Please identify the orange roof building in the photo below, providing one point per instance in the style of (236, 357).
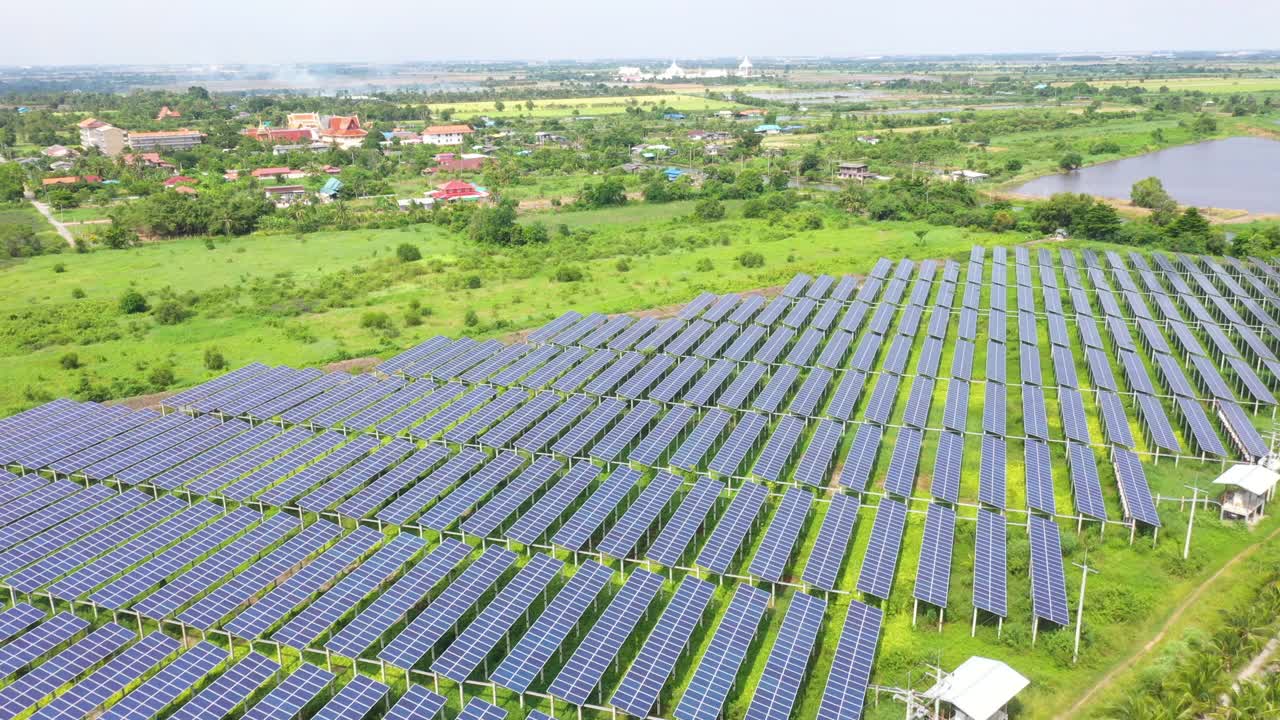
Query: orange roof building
(343, 131)
(166, 113)
(446, 134)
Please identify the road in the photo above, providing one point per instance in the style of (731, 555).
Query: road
(57, 224)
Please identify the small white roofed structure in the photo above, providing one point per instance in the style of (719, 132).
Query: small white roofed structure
(1247, 489)
(980, 689)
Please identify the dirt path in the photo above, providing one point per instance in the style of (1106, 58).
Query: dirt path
(1191, 600)
(1259, 662)
(57, 225)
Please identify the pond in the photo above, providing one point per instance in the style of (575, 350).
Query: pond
(1238, 173)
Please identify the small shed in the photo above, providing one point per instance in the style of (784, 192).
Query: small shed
(980, 689)
(1247, 488)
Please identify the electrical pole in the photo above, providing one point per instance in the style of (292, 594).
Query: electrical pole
(1191, 521)
(1084, 579)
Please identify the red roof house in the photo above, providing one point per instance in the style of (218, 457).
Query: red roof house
(343, 131)
(165, 113)
(458, 190)
(178, 180)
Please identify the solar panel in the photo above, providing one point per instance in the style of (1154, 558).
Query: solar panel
(678, 381)
(166, 686)
(846, 688)
(16, 619)
(688, 338)
(1064, 366)
(1241, 430)
(712, 680)
(530, 655)
(930, 358)
(335, 463)
(881, 559)
(904, 462)
(1048, 582)
(638, 385)
(665, 330)
(642, 514)
(393, 605)
(864, 355)
(664, 434)
(773, 311)
(477, 641)
(853, 317)
(750, 306)
(736, 395)
(229, 690)
(486, 416)
(722, 546)
(288, 699)
(740, 442)
(1035, 418)
(814, 467)
(577, 532)
(46, 678)
(945, 484)
(846, 396)
(600, 645)
(285, 465)
(822, 567)
(991, 472)
(780, 538)
(409, 504)
(575, 379)
(1039, 475)
(1114, 420)
(324, 570)
(625, 432)
(968, 321)
(409, 647)
(590, 428)
(883, 396)
(861, 459)
(996, 362)
(638, 691)
(82, 698)
(933, 572)
(989, 569)
(962, 360)
(492, 514)
(531, 525)
(1074, 424)
(779, 683)
(39, 641)
(779, 449)
(919, 402)
(1159, 431)
(446, 512)
(211, 608)
(705, 434)
(398, 478)
(684, 523)
(744, 345)
(503, 433)
(899, 350)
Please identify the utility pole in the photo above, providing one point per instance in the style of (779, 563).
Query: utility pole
(1084, 579)
(1191, 521)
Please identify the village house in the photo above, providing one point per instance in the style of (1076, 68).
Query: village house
(303, 121)
(980, 689)
(178, 180)
(264, 133)
(968, 176)
(466, 162)
(107, 138)
(343, 132)
(150, 159)
(456, 190)
(72, 180)
(1246, 490)
(853, 171)
(165, 140)
(285, 195)
(166, 114)
(58, 151)
(868, 139)
(446, 134)
(278, 173)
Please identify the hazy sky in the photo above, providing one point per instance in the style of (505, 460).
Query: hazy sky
(233, 31)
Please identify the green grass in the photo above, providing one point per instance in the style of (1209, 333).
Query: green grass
(590, 106)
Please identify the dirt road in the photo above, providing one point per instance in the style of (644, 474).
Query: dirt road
(57, 224)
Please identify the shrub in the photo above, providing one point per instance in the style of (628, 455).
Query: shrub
(751, 260)
(471, 282)
(412, 318)
(213, 359)
(77, 293)
(568, 273)
(69, 361)
(375, 320)
(59, 268)
(408, 253)
(623, 265)
(704, 265)
(161, 377)
(132, 303)
(471, 319)
(170, 312)
(709, 210)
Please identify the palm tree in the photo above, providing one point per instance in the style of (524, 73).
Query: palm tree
(1199, 686)
(1246, 701)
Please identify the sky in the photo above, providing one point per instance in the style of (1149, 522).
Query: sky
(73, 32)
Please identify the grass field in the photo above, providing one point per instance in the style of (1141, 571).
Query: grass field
(1201, 83)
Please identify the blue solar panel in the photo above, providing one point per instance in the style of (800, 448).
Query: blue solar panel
(424, 631)
(989, 569)
(288, 699)
(777, 389)
(640, 687)
(392, 605)
(822, 567)
(39, 641)
(446, 512)
(901, 478)
(664, 434)
(678, 532)
(856, 473)
(355, 700)
(530, 655)
(881, 559)
(784, 671)
(166, 686)
(846, 396)
(1048, 582)
(814, 467)
(384, 488)
(1035, 419)
(722, 547)
(229, 690)
(625, 432)
(991, 472)
(555, 424)
(962, 360)
(1135, 493)
(477, 709)
(779, 449)
(690, 454)
(505, 504)
(780, 538)
(933, 572)
(846, 687)
(883, 397)
(577, 532)
(482, 635)
(460, 466)
(736, 395)
(1039, 474)
(600, 645)
(319, 615)
(712, 681)
(46, 678)
(741, 440)
(87, 695)
(417, 703)
(622, 538)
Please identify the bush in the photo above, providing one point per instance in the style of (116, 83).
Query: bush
(568, 273)
(170, 312)
(412, 318)
(161, 377)
(213, 359)
(59, 268)
(471, 319)
(751, 260)
(132, 303)
(375, 321)
(408, 253)
(704, 265)
(77, 293)
(623, 265)
(709, 210)
(471, 282)
(69, 361)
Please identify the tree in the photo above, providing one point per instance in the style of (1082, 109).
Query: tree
(1100, 222)
(1204, 125)
(11, 180)
(372, 141)
(161, 377)
(751, 259)
(499, 106)
(495, 225)
(1148, 193)
(170, 312)
(709, 210)
(132, 302)
(213, 359)
(608, 192)
(1071, 161)
(117, 236)
(528, 105)
(408, 253)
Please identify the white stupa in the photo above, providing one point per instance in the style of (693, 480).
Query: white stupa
(744, 67)
(673, 72)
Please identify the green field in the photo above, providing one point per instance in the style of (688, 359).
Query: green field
(565, 107)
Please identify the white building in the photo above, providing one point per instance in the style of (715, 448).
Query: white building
(1247, 488)
(673, 72)
(745, 68)
(980, 689)
(446, 134)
